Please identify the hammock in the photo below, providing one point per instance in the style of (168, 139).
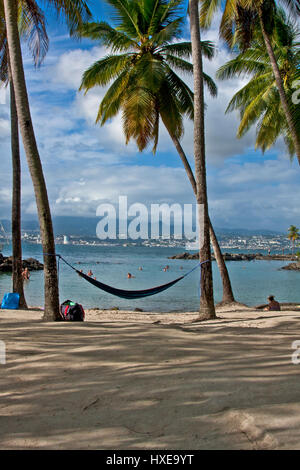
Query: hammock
(127, 294)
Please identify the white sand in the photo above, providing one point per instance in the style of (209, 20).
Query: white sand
(127, 380)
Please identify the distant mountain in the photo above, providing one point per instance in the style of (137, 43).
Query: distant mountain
(79, 226)
(86, 226)
(246, 232)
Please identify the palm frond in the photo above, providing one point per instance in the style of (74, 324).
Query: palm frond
(112, 101)
(139, 117)
(179, 64)
(107, 36)
(181, 91)
(125, 16)
(239, 67)
(32, 27)
(183, 50)
(171, 31)
(104, 70)
(74, 12)
(165, 13)
(207, 10)
(212, 87)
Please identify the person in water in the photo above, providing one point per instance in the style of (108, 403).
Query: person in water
(273, 304)
(26, 274)
(130, 276)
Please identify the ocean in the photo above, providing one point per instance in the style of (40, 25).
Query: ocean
(252, 281)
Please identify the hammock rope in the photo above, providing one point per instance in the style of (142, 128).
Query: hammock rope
(127, 294)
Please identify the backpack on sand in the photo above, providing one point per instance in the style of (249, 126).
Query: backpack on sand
(71, 311)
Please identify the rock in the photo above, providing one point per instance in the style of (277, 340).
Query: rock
(292, 267)
(31, 263)
(238, 257)
(185, 255)
(138, 310)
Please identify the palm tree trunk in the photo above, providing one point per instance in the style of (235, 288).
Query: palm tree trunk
(227, 289)
(280, 86)
(51, 307)
(228, 296)
(207, 308)
(17, 279)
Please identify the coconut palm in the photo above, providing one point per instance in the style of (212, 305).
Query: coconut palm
(145, 86)
(293, 235)
(32, 29)
(259, 101)
(207, 309)
(75, 11)
(240, 17)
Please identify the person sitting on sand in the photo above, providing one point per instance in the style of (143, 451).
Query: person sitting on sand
(26, 274)
(273, 304)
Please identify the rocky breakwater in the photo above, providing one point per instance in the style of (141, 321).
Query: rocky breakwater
(244, 257)
(31, 263)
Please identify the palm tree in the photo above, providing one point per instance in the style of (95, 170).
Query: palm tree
(237, 25)
(259, 101)
(32, 28)
(75, 11)
(228, 296)
(145, 86)
(293, 235)
(207, 308)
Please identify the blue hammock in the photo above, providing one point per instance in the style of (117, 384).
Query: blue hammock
(127, 294)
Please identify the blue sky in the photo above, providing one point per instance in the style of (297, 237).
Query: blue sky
(85, 165)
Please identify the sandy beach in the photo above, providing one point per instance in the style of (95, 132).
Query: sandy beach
(128, 380)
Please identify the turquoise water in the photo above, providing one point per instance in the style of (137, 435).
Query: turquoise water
(252, 281)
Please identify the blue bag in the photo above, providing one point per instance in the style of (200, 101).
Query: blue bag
(11, 301)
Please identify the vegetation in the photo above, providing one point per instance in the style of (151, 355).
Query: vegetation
(238, 25)
(146, 87)
(293, 235)
(32, 28)
(259, 100)
(74, 11)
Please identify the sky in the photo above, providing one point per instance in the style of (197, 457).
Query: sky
(85, 164)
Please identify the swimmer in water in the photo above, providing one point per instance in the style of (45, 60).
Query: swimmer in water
(26, 274)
